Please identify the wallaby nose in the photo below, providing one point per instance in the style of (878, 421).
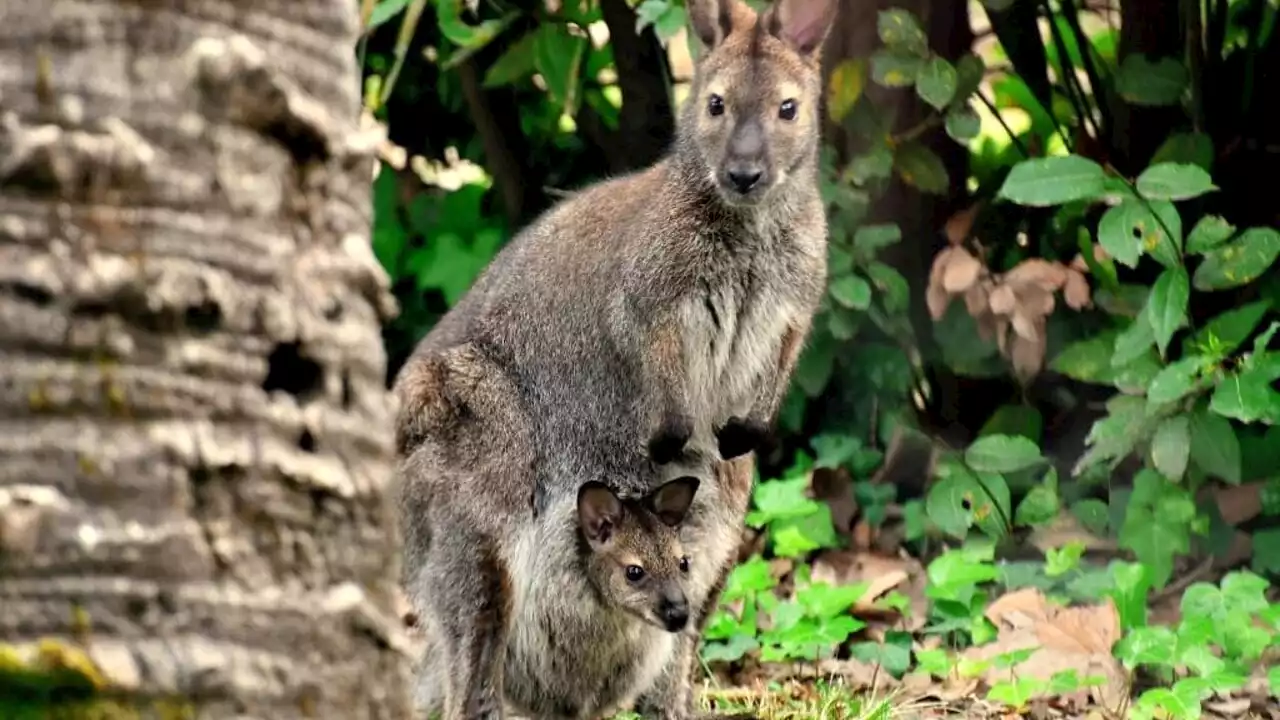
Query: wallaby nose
(744, 180)
(674, 614)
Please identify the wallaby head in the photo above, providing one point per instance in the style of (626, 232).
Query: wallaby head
(752, 117)
(636, 561)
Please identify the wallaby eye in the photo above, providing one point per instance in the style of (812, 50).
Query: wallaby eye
(715, 105)
(684, 564)
(787, 110)
(635, 573)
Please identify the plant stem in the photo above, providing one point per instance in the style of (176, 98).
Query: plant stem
(1012, 137)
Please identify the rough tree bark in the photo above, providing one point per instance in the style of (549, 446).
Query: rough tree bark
(195, 442)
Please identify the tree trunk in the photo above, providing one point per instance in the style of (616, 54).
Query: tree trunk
(195, 438)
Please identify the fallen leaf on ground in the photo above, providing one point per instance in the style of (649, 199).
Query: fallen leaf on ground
(1063, 638)
(1064, 529)
(883, 573)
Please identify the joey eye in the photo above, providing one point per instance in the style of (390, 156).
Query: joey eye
(635, 573)
(715, 105)
(684, 564)
(787, 110)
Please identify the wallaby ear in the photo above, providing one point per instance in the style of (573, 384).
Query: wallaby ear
(599, 512)
(803, 24)
(712, 20)
(671, 501)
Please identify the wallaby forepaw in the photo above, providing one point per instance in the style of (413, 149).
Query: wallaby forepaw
(740, 436)
(669, 441)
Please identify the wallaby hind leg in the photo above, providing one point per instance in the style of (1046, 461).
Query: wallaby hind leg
(470, 591)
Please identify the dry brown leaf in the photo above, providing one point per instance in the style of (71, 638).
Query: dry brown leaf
(1027, 356)
(835, 488)
(1078, 263)
(939, 266)
(961, 272)
(1002, 334)
(1078, 638)
(987, 323)
(975, 299)
(1076, 292)
(960, 225)
(882, 572)
(937, 300)
(1027, 326)
(1048, 276)
(1241, 503)
(1066, 528)
(1003, 301)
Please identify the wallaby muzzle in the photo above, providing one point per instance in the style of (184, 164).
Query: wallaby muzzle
(745, 169)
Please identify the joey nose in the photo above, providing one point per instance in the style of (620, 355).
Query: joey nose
(743, 180)
(674, 614)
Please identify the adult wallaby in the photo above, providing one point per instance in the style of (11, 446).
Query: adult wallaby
(652, 318)
(567, 613)
(683, 292)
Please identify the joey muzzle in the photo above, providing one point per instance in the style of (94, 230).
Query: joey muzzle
(673, 611)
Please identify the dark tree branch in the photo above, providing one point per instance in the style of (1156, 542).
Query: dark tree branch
(498, 128)
(646, 121)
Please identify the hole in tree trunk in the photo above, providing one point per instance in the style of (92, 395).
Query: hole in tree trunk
(291, 371)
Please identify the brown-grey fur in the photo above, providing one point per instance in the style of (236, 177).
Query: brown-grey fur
(646, 327)
(531, 611)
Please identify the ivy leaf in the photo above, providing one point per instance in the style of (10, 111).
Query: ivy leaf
(899, 29)
(1215, 449)
(872, 238)
(1168, 305)
(1153, 83)
(852, 291)
(1002, 454)
(1239, 262)
(936, 83)
(949, 503)
(1039, 506)
(1134, 340)
(1171, 446)
(1042, 182)
(1130, 583)
(895, 68)
(845, 87)
(963, 123)
(1175, 381)
(920, 167)
(1174, 181)
(1209, 233)
(557, 55)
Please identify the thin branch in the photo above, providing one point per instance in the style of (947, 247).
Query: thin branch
(994, 111)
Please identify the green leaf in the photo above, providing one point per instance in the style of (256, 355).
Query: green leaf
(671, 22)
(936, 83)
(1239, 262)
(842, 324)
(1226, 331)
(384, 11)
(1039, 506)
(894, 291)
(1193, 147)
(1174, 181)
(1130, 584)
(895, 68)
(1134, 340)
(992, 507)
(1266, 551)
(1171, 446)
(558, 55)
(517, 62)
(875, 164)
(963, 123)
(1042, 182)
(1209, 233)
(872, 238)
(1273, 679)
(852, 291)
(1002, 454)
(1169, 298)
(949, 503)
(899, 29)
(845, 87)
(1215, 449)
(1153, 83)
(969, 73)
(1087, 360)
(1247, 396)
(1147, 646)
(1175, 381)
(1129, 229)
(1092, 514)
(921, 168)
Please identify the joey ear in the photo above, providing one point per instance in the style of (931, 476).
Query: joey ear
(803, 24)
(671, 501)
(599, 512)
(712, 20)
